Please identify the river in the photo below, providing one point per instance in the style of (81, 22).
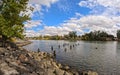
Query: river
(102, 57)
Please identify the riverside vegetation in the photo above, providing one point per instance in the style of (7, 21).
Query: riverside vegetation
(91, 36)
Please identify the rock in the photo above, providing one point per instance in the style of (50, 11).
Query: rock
(51, 72)
(11, 56)
(55, 65)
(8, 48)
(1, 73)
(59, 65)
(8, 70)
(90, 73)
(59, 72)
(30, 55)
(23, 62)
(67, 73)
(36, 56)
(67, 67)
(23, 58)
(43, 54)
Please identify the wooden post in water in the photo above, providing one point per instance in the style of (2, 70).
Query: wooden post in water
(70, 47)
(54, 53)
(65, 49)
(38, 50)
(73, 45)
(52, 48)
(58, 46)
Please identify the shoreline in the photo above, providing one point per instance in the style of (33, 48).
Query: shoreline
(25, 62)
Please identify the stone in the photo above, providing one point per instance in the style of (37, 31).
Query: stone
(8, 70)
(59, 72)
(55, 65)
(67, 67)
(59, 65)
(23, 62)
(90, 73)
(51, 72)
(67, 73)
(30, 55)
(8, 48)
(1, 73)
(23, 58)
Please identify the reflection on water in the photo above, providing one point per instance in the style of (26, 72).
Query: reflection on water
(103, 57)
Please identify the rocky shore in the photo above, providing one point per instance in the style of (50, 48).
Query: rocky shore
(23, 62)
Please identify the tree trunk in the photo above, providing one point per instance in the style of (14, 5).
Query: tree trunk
(4, 40)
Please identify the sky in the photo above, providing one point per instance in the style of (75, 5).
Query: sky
(59, 17)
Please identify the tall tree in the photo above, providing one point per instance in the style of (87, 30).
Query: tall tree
(118, 34)
(72, 34)
(11, 19)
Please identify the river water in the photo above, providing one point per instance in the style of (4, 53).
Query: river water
(99, 56)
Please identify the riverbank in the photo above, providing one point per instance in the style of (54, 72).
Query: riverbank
(23, 62)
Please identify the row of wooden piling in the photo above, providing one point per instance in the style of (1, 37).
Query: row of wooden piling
(59, 46)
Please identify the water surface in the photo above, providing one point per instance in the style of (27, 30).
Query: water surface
(99, 56)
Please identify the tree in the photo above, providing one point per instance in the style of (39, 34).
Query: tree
(118, 34)
(11, 19)
(72, 34)
(97, 36)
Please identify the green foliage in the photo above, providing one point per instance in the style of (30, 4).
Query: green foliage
(11, 19)
(97, 36)
(118, 34)
(55, 37)
(72, 35)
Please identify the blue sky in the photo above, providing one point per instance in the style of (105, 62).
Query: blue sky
(58, 17)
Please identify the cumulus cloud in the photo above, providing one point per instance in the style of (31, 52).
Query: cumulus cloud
(37, 4)
(105, 3)
(103, 23)
(90, 22)
(32, 23)
(37, 7)
(52, 30)
(43, 2)
(102, 6)
(31, 33)
(104, 16)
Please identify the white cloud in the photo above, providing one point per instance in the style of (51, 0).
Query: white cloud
(43, 2)
(31, 33)
(105, 3)
(37, 6)
(65, 6)
(94, 22)
(91, 22)
(32, 23)
(104, 16)
(52, 30)
(107, 7)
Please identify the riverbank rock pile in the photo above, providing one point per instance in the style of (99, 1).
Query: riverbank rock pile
(23, 62)
(14, 60)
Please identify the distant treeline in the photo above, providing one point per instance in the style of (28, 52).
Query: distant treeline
(70, 36)
(97, 36)
(92, 36)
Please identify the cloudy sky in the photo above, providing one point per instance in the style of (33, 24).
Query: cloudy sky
(52, 17)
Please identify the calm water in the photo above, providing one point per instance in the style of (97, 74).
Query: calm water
(102, 57)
